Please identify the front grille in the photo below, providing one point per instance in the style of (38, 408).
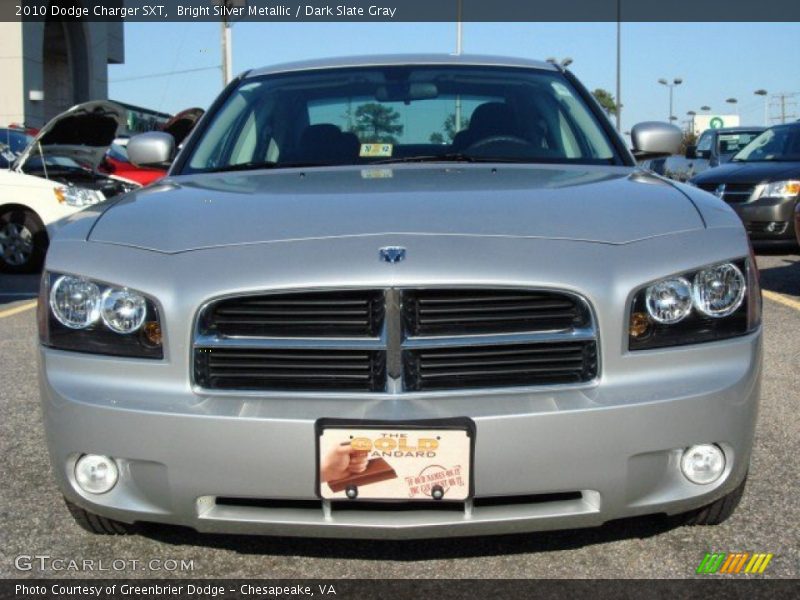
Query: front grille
(733, 193)
(500, 366)
(412, 340)
(284, 369)
(468, 311)
(325, 314)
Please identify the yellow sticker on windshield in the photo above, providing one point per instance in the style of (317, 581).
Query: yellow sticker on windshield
(375, 150)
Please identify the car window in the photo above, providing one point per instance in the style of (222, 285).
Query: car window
(367, 115)
(704, 143)
(780, 143)
(731, 143)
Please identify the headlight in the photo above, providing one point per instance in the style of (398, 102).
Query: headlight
(82, 315)
(713, 303)
(719, 291)
(669, 301)
(780, 189)
(76, 196)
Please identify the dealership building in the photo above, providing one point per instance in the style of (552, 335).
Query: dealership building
(48, 66)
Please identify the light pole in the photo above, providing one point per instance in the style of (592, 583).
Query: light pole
(766, 105)
(459, 30)
(226, 39)
(705, 108)
(619, 66)
(675, 82)
(733, 102)
(691, 114)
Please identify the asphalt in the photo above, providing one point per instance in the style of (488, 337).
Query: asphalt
(34, 521)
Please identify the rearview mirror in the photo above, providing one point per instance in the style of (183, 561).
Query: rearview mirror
(151, 149)
(405, 92)
(691, 151)
(652, 138)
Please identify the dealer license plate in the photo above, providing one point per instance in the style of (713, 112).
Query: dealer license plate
(394, 463)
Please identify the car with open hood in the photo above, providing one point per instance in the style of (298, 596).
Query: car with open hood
(762, 184)
(53, 177)
(401, 297)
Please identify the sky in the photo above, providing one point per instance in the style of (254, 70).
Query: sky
(716, 61)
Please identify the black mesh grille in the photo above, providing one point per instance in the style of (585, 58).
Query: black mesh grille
(499, 366)
(312, 314)
(295, 369)
(466, 311)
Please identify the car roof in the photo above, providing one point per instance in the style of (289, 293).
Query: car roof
(403, 59)
(739, 128)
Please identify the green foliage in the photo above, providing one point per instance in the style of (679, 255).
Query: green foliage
(375, 123)
(606, 101)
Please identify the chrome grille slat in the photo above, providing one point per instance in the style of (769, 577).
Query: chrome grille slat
(392, 340)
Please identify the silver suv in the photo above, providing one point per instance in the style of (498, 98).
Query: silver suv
(401, 297)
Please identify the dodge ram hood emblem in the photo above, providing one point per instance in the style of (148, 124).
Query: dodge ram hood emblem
(393, 254)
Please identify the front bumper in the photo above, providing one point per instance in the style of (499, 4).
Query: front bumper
(758, 215)
(593, 453)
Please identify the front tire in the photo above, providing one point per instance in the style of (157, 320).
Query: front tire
(23, 241)
(96, 524)
(717, 512)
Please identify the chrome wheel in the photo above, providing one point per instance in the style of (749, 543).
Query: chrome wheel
(16, 244)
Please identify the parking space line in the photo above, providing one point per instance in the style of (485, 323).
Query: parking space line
(17, 309)
(781, 299)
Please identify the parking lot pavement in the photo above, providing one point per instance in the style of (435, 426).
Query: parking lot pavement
(34, 521)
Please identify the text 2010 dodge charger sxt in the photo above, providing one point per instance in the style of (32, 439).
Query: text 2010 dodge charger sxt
(401, 297)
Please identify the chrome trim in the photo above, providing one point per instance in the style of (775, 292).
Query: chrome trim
(583, 334)
(394, 386)
(213, 341)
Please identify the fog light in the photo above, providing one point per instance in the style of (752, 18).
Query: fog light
(703, 463)
(96, 474)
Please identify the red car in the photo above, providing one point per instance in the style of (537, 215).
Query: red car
(116, 160)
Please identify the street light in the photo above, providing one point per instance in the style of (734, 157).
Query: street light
(564, 63)
(705, 108)
(732, 102)
(675, 82)
(766, 105)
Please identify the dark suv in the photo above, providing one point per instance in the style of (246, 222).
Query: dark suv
(762, 184)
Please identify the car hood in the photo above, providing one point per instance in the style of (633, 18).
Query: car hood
(749, 172)
(598, 204)
(83, 133)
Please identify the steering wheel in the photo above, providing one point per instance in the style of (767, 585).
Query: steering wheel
(499, 139)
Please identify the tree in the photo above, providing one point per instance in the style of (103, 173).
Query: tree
(689, 139)
(606, 101)
(449, 129)
(375, 123)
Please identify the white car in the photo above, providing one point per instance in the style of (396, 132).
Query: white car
(55, 177)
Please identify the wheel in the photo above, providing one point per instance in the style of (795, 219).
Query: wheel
(718, 511)
(96, 524)
(23, 241)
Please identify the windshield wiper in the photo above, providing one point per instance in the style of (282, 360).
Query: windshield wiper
(264, 164)
(449, 157)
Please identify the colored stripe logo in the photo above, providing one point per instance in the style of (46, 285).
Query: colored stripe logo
(735, 562)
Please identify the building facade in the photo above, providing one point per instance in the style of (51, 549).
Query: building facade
(48, 66)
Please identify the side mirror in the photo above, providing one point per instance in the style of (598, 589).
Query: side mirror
(151, 149)
(704, 154)
(691, 151)
(652, 139)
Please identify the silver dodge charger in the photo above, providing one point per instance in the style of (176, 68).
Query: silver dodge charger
(401, 297)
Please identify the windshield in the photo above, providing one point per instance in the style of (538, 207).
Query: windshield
(15, 141)
(780, 144)
(394, 114)
(731, 143)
